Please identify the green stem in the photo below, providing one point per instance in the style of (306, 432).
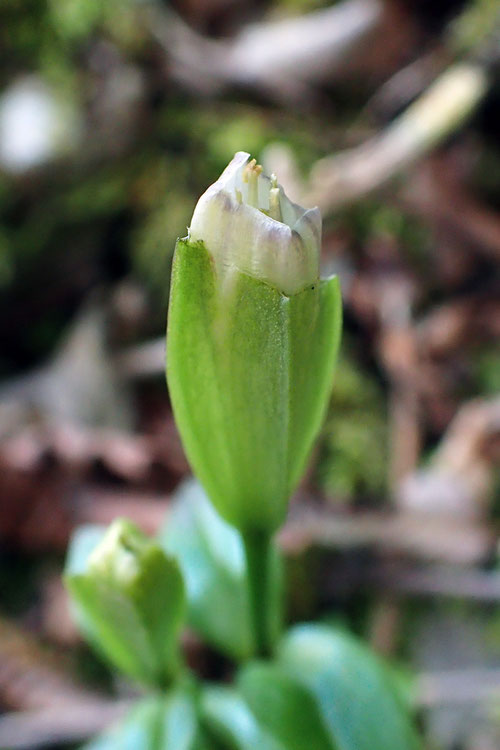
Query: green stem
(258, 557)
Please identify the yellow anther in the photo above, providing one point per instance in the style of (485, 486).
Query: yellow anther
(251, 177)
(251, 171)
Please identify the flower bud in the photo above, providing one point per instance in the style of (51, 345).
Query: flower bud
(251, 343)
(130, 601)
(248, 224)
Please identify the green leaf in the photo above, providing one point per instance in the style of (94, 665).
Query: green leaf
(212, 560)
(228, 717)
(249, 372)
(130, 596)
(353, 689)
(155, 724)
(285, 707)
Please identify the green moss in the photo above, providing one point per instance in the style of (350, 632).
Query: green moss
(352, 456)
(153, 241)
(486, 368)
(375, 218)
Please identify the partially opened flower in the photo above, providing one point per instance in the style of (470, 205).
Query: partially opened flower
(251, 345)
(247, 223)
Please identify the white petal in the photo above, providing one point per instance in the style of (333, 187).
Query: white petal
(242, 236)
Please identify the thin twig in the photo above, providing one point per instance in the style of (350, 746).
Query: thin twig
(419, 536)
(458, 686)
(345, 177)
(278, 58)
(403, 578)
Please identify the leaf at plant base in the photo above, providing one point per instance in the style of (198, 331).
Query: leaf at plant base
(212, 560)
(169, 723)
(228, 717)
(130, 597)
(285, 707)
(354, 690)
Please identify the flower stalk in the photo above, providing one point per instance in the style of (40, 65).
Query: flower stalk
(257, 547)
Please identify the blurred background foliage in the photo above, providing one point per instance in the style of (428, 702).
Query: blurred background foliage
(114, 117)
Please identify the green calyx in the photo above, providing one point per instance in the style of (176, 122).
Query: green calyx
(249, 371)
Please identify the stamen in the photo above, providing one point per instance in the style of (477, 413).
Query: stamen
(251, 177)
(274, 199)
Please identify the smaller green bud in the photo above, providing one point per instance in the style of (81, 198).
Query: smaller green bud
(117, 559)
(130, 600)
